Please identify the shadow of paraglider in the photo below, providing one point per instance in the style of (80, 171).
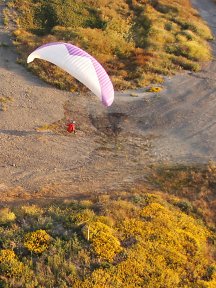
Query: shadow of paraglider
(109, 124)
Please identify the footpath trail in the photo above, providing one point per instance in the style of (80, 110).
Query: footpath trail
(185, 115)
(113, 147)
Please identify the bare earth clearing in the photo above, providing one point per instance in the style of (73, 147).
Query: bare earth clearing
(113, 147)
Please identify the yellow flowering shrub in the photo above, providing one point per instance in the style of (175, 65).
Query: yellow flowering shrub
(211, 276)
(168, 240)
(132, 227)
(120, 209)
(82, 217)
(10, 266)
(99, 279)
(104, 243)
(86, 203)
(154, 89)
(131, 241)
(109, 221)
(32, 210)
(37, 241)
(6, 216)
(162, 245)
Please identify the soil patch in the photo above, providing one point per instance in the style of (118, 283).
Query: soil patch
(113, 147)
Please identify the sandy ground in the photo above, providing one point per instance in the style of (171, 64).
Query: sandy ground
(113, 147)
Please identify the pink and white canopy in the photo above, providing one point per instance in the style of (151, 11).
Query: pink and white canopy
(80, 65)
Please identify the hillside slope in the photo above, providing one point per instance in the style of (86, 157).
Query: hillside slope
(138, 42)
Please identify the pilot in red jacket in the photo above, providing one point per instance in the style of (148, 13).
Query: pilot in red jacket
(71, 127)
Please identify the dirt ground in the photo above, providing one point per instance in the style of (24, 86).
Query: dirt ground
(113, 147)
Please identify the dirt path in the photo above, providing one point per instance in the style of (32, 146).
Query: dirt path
(185, 114)
(114, 146)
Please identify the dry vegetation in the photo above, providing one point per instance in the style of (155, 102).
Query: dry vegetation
(137, 41)
(4, 101)
(196, 185)
(124, 240)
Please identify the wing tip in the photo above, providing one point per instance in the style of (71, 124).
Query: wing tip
(107, 101)
(30, 58)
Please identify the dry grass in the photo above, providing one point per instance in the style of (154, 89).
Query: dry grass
(137, 43)
(4, 102)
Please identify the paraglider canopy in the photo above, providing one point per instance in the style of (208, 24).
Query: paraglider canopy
(80, 65)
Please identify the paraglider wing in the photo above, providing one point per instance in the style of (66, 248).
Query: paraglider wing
(80, 65)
